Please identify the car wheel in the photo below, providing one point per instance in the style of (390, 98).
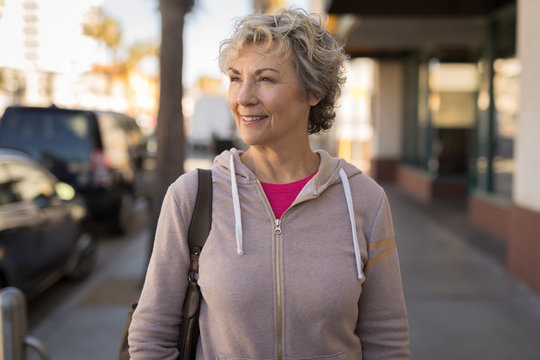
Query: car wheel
(124, 212)
(83, 257)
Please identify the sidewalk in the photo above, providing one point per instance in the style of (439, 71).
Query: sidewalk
(89, 325)
(461, 303)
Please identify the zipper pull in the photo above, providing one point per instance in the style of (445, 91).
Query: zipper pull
(277, 229)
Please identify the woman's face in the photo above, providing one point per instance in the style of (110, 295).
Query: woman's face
(268, 102)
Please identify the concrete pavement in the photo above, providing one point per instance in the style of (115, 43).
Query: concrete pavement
(88, 325)
(461, 302)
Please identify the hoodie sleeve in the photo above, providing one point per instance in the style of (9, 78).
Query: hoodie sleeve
(153, 333)
(382, 324)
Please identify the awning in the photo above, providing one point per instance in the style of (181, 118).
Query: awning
(415, 7)
(392, 28)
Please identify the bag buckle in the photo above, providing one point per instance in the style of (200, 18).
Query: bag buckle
(193, 277)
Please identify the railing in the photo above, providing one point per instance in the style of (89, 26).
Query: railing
(14, 340)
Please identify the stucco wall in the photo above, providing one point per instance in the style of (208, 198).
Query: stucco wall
(527, 150)
(387, 110)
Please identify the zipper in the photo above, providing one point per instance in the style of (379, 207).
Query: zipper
(279, 290)
(278, 273)
(277, 277)
(277, 229)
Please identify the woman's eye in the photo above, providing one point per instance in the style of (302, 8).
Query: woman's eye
(266, 79)
(234, 78)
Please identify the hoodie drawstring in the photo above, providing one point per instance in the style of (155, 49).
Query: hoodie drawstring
(348, 196)
(236, 205)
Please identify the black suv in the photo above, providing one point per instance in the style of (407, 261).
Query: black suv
(101, 154)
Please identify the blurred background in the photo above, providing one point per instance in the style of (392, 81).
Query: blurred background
(440, 106)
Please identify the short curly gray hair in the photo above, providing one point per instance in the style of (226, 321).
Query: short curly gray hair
(318, 57)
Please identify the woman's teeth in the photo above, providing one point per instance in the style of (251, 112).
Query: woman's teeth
(253, 118)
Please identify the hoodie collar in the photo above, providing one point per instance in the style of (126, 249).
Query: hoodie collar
(327, 174)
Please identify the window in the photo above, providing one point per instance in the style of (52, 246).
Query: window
(506, 100)
(7, 191)
(27, 182)
(47, 134)
(115, 141)
(453, 89)
(498, 104)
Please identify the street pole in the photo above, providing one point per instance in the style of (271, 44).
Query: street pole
(13, 321)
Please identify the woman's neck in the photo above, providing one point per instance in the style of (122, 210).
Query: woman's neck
(280, 167)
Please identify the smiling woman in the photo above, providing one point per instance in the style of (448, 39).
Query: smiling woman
(309, 268)
(269, 104)
(317, 57)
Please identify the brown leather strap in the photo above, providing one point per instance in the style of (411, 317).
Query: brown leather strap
(199, 228)
(201, 220)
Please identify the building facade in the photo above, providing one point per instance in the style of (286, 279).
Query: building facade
(47, 58)
(39, 51)
(455, 110)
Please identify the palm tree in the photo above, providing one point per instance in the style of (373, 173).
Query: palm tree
(104, 29)
(170, 121)
(140, 50)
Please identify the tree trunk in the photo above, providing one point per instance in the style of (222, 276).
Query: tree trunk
(170, 120)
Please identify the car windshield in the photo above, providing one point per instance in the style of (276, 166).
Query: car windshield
(47, 134)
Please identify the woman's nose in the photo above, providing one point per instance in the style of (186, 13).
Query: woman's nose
(247, 94)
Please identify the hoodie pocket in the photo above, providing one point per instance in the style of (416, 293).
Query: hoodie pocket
(337, 356)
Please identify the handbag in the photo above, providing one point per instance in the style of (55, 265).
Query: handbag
(199, 228)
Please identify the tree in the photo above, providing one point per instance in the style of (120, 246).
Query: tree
(139, 51)
(104, 29)
(170, 121)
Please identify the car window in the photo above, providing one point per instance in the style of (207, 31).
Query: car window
(8, 195)
(135, 137)
(48, 135)
(28, 182)
(115, 140)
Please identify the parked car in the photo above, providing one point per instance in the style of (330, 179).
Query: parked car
(100, 154)
(43, 232)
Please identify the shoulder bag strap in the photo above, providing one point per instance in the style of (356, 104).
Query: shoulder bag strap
(201, 220)
(199, 228)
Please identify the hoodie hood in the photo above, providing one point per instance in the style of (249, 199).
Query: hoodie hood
(327, 174)
(331, 171)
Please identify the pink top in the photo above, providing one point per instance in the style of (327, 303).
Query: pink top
(281, 196)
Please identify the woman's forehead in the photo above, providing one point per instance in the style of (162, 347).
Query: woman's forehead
(261, 56)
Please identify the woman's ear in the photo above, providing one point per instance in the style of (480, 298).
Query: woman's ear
(313, 100)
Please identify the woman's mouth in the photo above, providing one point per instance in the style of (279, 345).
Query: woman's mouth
(253, 118)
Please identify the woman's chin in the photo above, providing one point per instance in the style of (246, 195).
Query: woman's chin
(252, 140)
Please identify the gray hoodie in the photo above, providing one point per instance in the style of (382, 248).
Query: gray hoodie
(321, 283)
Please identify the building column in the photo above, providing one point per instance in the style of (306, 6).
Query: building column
(524, 231)
(387, 114)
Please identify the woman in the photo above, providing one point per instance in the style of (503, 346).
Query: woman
(301, 261)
